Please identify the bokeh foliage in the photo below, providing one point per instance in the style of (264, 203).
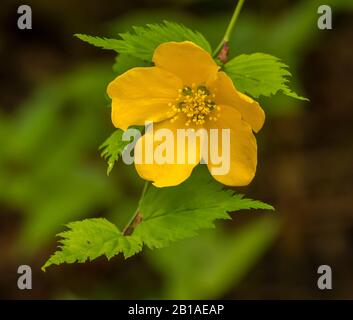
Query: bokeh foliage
(51, 172)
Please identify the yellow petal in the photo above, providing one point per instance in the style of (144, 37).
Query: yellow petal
(227, 94)
(240, 166)
(142, 94)
(186, 60)
(182, 161)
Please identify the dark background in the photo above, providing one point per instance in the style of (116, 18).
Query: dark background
(54, 115)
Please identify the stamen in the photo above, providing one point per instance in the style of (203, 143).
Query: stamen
(203, 89)
(187, 91)
(196, 103)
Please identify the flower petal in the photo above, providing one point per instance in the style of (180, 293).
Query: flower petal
(143, 94)
(175, 171)
(242, 156)
(185, 59)
(227, 94)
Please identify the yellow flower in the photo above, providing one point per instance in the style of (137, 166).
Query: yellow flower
(185, 89)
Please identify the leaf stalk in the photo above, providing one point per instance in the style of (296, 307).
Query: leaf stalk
(136, 218)
(222, 50)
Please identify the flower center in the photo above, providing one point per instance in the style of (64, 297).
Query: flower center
(197, 104)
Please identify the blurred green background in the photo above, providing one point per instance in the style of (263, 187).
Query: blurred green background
(54, 114)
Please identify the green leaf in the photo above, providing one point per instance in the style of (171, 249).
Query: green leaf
(124, 62)
(260, 74)
(101, 42)
(168, 214)
(113, 148)
(142, 42)
(175, 213)
(88, 239)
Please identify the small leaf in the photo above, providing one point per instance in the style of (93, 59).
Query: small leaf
(167, 215)
(113, 148)
(142, 42)
(88, 239)
(260, 74)
(124, 62)
(101, 42)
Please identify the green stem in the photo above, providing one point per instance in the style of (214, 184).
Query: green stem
(230, 27)
(137, 211)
